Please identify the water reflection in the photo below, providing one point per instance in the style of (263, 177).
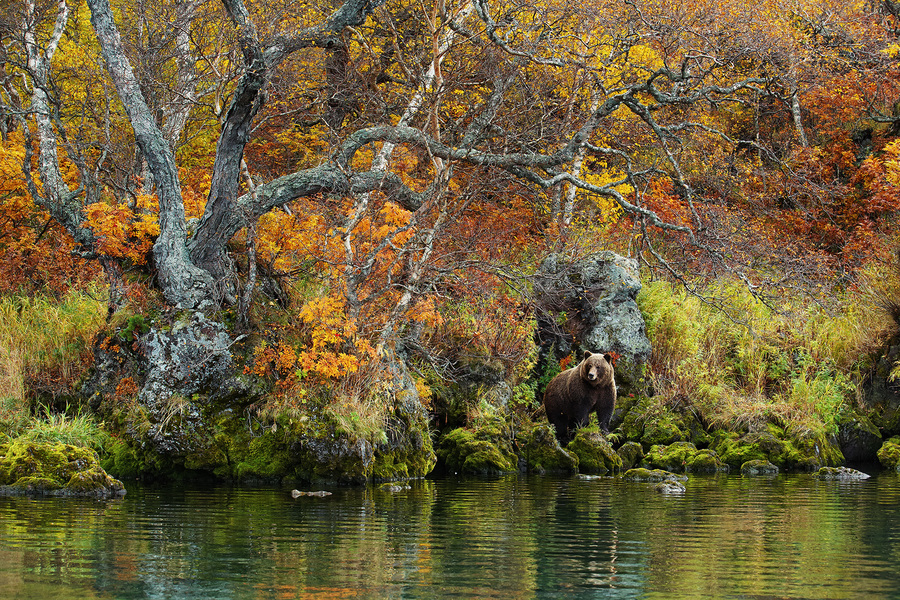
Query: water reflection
(511, 537)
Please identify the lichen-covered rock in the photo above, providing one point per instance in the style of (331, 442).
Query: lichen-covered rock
(478, 451)
(758, 467)
(840, 474)
(28, 467)
(596, 298)
(652, 475)
(631, 453)
(595, 453)
(889, 454)
(542, 452)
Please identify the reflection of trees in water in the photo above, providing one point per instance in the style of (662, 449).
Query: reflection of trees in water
(504, 537)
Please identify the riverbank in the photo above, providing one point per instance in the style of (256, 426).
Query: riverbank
(791, 385)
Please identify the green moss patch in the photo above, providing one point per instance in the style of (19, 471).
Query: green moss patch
(479, 451)
(683, 457)
(804, 451)
(54, 468)
(543, 453)
(595, 453)
(889, 454)
(652, 475)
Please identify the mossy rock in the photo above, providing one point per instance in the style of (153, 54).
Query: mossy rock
(735, 451)
(631, 454)
(543, 452)
(663, 429)
(816, 450)
(595, 453)
(55, 468)
(705, 461)
(858, 437)
(807, 451)
(672, 457)
(684, 457)
(889, 454)
(652, 475)
(263, 458)
(840, 474)
(758, 467)
(477, 452)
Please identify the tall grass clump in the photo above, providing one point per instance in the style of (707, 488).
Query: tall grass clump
(742, 362)
(42, 333)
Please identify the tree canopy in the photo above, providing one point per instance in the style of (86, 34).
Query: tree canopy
(374, 163)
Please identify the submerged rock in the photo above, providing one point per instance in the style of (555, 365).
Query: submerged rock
(758, 467)
(670, 487)
(319, 494)
(652, 475)
(55, 469)
(840, 474)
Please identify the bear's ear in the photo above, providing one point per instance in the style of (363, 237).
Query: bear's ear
(609, 357)
(587, 353)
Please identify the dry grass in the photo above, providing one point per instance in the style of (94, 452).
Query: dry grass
(42, 333)
(793, 364)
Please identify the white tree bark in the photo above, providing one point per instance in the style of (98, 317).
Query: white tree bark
(183, 284)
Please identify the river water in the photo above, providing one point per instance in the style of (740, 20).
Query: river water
(788, 536)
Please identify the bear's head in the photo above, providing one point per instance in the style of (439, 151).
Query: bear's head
(597, 369)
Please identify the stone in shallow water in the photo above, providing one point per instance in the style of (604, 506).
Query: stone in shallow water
(670, 487)
(840, 474)
(652, 475)
(758, 467)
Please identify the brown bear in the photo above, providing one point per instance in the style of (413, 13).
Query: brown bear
(573, 394)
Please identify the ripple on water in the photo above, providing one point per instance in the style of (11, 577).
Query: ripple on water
(527, 537)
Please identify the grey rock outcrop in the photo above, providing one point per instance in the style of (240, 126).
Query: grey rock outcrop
(590, 304)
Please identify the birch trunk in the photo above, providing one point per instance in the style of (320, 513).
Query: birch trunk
(183, 283)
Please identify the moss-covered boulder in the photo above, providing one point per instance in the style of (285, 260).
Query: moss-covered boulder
(28, 467)
(889, 454)
(662, 429)
(672, 457)
(705, 461)
(542, 452)
(631, 454)
(753, 468)
(595, 453)
(652, 475)
(808, 450)
(735, 451)
(477, 451)
(684, 457)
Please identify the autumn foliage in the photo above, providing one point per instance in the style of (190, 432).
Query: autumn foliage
(769, 148)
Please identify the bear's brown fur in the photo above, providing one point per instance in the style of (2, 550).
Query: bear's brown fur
(573, 394)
